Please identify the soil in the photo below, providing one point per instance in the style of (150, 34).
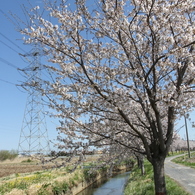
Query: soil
(17, 166)
(6, 170)
(20, 165)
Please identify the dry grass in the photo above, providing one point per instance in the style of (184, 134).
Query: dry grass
(9, 167)
(190, 162)
(20, 165)
(16, 192)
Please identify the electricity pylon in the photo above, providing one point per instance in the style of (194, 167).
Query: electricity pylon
(34, 134)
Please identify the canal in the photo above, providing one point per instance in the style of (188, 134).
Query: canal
(111, 186)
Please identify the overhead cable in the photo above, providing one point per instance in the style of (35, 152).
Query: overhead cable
(11, 42)
(7, 82)
(9, 47)
(8, 63)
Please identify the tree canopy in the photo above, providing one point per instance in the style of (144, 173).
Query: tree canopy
(120, 72)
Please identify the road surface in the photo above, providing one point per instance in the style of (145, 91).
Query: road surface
(185, 176)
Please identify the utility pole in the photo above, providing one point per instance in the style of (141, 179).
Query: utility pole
(188, 145)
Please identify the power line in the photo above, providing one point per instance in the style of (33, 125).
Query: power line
(9, 47)
(8, 63)
(15, 51)
(8, 18)
(12, 42)
(7, 82)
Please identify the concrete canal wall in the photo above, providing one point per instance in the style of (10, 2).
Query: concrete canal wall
(97, 178)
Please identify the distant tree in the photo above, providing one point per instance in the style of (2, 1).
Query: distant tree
(53, 153)
(122, 72)
(181, 145)
(6, 154)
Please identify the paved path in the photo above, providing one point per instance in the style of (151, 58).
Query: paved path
(185, 176)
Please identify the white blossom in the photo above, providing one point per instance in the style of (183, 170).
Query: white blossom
(118, 79)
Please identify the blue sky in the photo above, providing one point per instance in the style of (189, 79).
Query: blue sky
(13, 98)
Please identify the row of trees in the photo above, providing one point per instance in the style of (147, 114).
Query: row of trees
(181, 145)
(119, 74)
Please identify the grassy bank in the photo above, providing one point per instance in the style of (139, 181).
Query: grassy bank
(144, 185)
(53, 181)
(185, 160)
(57, 181)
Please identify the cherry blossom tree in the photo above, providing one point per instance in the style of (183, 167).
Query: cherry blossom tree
(120, 73)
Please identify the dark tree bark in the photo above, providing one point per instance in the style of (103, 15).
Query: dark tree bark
(140, 163)
(159, 176)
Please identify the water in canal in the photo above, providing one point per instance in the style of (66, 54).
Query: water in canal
(111, 186)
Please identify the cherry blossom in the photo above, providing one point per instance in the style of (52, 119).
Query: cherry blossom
(120, 74)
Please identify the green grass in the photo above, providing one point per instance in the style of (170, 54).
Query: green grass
(47, 181)
(144, 185)
(27, 161)
(24, 182)
(176, 153)
(185, 160)
(59, 188)
(55, 182)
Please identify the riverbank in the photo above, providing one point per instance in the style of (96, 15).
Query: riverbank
(113, 185)
(97, 177)
(185, 160)
(52, 181)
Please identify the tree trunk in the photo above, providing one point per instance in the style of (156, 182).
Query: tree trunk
(159, 176)
(142, 167)
(140, 163)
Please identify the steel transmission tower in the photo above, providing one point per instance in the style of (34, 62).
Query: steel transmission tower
(34, 134)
